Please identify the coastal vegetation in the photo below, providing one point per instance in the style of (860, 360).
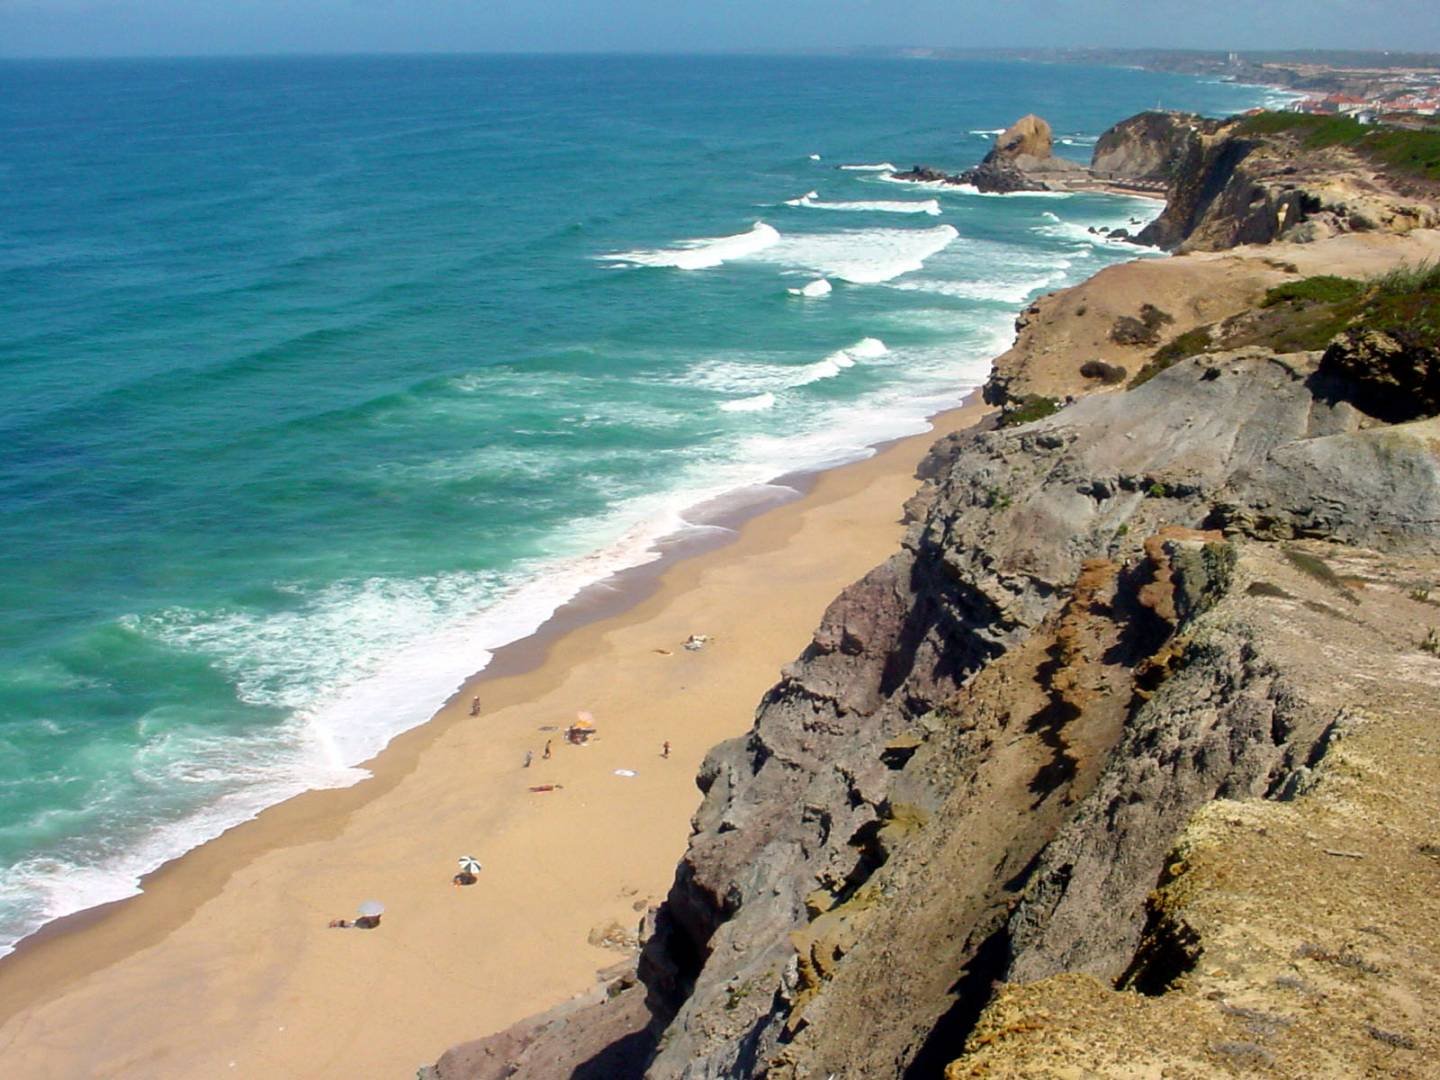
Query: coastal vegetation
(1031, 407)
(1412, 151)
(1314, 313)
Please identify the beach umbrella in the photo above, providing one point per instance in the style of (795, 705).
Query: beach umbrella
(372, 908)
(584, 721)
(469, 864)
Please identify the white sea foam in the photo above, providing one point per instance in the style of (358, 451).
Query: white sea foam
(883, 166)
(817, 288)
(930, 185)
(841, 359)
(987, 132)
(814, 157)
(360, 661)
(1129, 213)
(758, 403)
(860, 257)
(703, 253)
(1002, 289)
(812, 201)
(868, 348)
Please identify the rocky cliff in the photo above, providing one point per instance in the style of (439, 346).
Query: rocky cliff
(1254, 181)
(1124, 764)
(1150, 146)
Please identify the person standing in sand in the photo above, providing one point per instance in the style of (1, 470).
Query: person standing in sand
(529, 756)
(546, 754)
(475, 707)
(665, 749)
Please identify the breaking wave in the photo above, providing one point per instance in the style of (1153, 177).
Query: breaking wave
(703, 253)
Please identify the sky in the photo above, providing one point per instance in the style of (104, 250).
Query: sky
(204, 27)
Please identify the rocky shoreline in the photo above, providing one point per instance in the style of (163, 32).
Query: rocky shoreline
(1124, 763)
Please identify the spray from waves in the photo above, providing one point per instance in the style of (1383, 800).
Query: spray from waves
(865, 349)
(811, 201)
(757, 403)
(703, 253)
(930, 185)
(1002, 291)
(861, 257)
(883, 166)
(1132, 215)
(987, 133)
(814, 157)
(813, 290)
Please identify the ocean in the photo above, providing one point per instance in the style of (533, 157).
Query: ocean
(321, 379)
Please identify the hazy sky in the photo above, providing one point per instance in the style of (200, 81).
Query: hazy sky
(185, 27)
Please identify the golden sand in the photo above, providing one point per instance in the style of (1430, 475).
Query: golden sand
(226, 967)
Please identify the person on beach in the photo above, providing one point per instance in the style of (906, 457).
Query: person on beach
(475, 707)
(529, 756)
(546, 754)
(339, 924)
(665, 750)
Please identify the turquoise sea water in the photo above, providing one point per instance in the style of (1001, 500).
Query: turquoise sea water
(319, 379)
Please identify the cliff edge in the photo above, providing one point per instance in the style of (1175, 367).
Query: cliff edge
(1124, 765)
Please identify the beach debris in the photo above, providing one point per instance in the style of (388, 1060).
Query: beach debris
(696, 642)
(469, 864)
(625, 772)
(581, 730)
(370, 912)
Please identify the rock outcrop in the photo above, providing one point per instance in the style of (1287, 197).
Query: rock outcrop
(1231, 184)
(1022, 159)
(1150, 146)
(996, 820)
(980, 768)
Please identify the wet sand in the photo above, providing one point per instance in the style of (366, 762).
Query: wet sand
(226, 967)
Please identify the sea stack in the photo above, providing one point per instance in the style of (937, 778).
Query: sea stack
(1022, 159)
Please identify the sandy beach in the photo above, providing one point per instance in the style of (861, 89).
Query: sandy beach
(225, 966)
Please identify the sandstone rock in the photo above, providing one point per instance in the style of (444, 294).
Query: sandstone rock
(1029, 136)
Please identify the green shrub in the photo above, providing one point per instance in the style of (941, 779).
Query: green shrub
(1028, 408)
(1406, 150)
(1325, 289)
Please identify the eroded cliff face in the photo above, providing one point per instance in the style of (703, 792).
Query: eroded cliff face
(1228, 186)
(1150, 146)
(987, 824)
(979, 771)
(979, 768)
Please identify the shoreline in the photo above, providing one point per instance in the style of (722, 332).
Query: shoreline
(86, 967)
